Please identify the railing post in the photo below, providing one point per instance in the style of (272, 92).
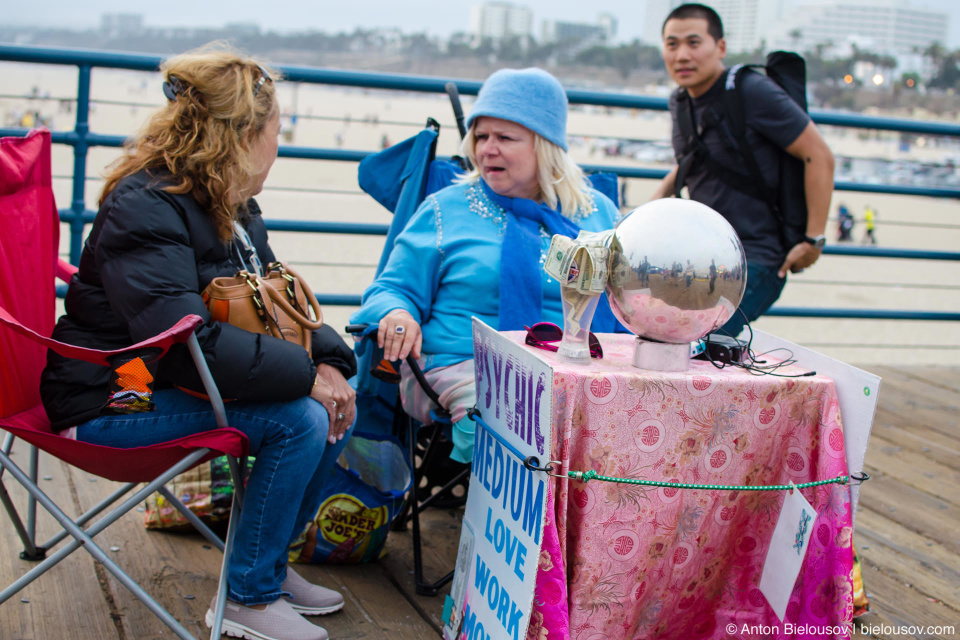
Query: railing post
(78, 202)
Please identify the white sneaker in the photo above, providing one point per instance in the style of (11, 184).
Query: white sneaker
(277, 621)
(310, 599)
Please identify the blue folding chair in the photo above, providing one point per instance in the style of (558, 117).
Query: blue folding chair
(400, 178)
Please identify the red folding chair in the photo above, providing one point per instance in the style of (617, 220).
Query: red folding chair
(29, 239)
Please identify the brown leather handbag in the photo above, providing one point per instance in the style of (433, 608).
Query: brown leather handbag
(277, 303)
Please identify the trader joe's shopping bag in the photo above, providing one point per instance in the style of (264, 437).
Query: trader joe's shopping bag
(361, 499)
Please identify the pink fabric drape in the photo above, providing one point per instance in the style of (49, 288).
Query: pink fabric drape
(624, 561)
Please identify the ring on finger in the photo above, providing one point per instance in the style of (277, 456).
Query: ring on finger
(341, 416)
(400, 329)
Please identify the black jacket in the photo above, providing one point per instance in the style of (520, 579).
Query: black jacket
(144, 265)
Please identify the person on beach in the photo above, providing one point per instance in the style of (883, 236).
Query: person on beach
(870, 225)
(477, 248)
(845, 224)
(693, 52)
(177, 211)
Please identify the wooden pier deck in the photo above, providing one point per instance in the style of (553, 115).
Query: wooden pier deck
(908, 535)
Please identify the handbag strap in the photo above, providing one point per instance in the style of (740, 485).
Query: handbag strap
(269, 322)
(297, 315)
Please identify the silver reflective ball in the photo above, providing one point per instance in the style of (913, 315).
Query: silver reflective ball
(677, 270)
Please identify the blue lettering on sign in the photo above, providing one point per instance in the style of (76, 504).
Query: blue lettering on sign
(533, 513)
(520, 492)
(483, 574)
(521, 559)
(505, 542)
(498, 474)
(487, 460)
(499, 601)
(516, 504)
(478, 453)
(513, 469)
(493, 594)
(514, 625)
(503, 608)
(470, 623)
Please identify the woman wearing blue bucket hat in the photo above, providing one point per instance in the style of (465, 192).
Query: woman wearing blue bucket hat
(477, 248)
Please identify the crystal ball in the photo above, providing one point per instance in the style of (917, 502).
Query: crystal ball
(677, 270)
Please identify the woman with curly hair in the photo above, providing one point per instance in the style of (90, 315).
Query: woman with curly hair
(177, 211)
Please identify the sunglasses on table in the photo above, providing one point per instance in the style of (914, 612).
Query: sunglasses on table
(543, 334)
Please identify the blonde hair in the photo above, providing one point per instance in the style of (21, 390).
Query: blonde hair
(561, 181)
(203, 137)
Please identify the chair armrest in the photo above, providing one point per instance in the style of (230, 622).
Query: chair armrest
(357, 329)
(361, 331)
(65, 270)
(177, 334)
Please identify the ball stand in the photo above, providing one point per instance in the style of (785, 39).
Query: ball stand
(661, 356)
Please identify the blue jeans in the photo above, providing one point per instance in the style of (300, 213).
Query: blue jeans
(283, 493)
(763, 289)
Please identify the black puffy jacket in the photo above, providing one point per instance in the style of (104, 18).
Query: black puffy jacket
(144, 265)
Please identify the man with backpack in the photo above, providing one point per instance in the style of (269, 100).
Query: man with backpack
(746, 147)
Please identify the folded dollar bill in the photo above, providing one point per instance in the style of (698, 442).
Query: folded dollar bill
(580, 263)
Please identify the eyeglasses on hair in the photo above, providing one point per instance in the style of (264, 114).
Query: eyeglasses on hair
(175, 86)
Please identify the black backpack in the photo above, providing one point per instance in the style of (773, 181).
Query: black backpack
(788, 203)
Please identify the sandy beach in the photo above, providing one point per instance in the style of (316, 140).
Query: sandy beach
(359, 119)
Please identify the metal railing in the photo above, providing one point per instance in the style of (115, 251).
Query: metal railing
(82, 139)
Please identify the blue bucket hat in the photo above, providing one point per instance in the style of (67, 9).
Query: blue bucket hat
(531, 97)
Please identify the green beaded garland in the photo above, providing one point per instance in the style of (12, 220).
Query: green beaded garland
(587, 476)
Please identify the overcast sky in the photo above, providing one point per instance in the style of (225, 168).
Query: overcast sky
(438, 17)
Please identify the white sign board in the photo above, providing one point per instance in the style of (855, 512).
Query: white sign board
(857, 391)
(506, 506)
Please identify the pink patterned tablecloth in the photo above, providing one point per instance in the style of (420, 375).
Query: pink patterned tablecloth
(624, 561)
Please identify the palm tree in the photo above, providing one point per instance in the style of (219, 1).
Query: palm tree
(936, 53)
(795, 36)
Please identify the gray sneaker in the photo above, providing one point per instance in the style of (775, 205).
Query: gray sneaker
(310, 599)
(278, 621)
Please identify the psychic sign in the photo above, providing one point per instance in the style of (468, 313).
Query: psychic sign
(492, 593)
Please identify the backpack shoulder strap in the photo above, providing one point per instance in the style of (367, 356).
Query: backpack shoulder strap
(734, 113)
(695, 150)
(691, 132)
(732, 101)
(688, 133)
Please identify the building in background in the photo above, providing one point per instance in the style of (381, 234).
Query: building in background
(889, 27)
(121, 25)
(499, 21)
(746, 23)
(657, 11)
(602, 32)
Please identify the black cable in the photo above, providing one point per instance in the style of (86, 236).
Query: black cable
(755, 366)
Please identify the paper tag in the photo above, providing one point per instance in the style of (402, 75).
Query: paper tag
(788, 548)
(453, 607)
